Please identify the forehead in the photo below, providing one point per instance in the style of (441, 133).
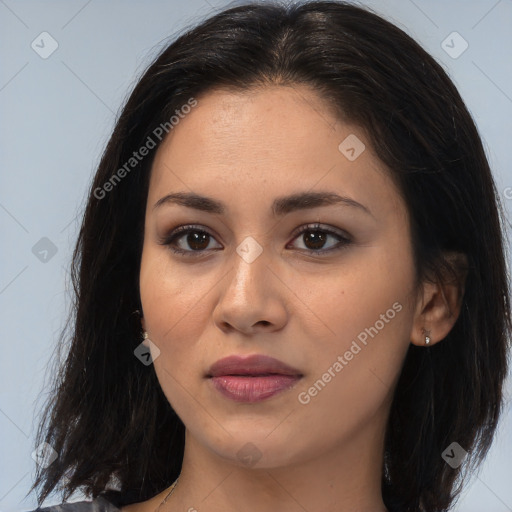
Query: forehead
(245, 146)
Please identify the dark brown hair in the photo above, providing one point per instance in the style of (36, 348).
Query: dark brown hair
(108, 417)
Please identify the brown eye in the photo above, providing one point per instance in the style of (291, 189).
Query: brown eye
(315, 237)
(188, 240)
(197, 241)
(194, 241)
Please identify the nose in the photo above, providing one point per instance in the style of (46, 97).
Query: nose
(252, 297)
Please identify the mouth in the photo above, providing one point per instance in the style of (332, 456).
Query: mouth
(253, 378)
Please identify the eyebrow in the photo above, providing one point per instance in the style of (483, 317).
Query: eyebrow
(281, 205)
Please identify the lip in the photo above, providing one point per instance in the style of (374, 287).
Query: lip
(252, 378)
(250, 365)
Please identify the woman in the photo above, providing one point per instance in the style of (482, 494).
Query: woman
(290, 277)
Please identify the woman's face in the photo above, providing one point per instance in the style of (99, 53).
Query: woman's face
(333, 304)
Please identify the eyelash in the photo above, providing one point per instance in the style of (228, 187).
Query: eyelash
(179, 232)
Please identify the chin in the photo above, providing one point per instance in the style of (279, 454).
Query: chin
(254, 448)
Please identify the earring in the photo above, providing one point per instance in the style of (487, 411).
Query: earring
(145, 338)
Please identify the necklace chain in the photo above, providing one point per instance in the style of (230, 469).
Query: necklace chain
(173, 486)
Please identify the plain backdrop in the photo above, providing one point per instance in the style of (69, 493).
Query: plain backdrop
(56, 115)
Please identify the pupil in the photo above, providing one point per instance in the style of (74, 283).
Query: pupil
(198, 241)
(316, 237)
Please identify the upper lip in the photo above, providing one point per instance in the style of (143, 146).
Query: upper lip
(250, 365)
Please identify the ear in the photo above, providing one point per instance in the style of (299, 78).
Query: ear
(439, 303)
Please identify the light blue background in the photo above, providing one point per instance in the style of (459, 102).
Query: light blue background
(57, 114)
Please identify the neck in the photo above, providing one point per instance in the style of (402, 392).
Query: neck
(344, 478)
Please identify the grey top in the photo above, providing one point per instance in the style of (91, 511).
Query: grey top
(99, 504)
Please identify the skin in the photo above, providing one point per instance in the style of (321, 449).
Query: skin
(245, 150)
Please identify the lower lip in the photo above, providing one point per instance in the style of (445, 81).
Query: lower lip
(253, 389)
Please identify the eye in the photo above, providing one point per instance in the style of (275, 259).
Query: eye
(198, 240)
(314, 238)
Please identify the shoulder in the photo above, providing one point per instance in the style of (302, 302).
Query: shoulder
(99, 504)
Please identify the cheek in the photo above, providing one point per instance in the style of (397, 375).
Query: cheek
(354, 372)
(173, 302)
(175, 316)
(353, 296)
(366, 318)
